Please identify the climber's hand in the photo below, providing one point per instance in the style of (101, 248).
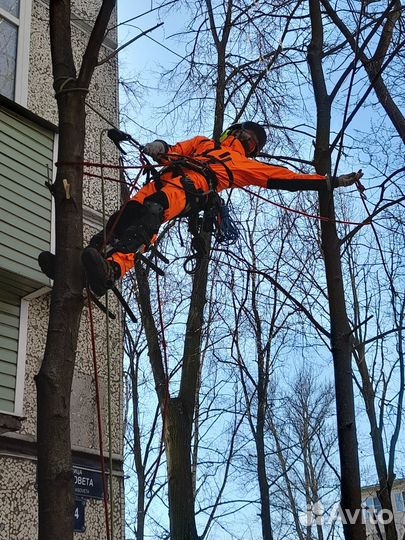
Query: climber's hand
(156, 149)
(345, 180)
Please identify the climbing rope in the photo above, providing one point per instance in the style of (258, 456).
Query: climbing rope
(306, 214)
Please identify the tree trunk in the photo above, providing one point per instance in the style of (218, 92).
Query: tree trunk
(137, 449)
(178, 412)
(265, 517)
(55, 476)
(178, 451)
(54, 380)
(341, 350)
(262, 407)
(341, 340)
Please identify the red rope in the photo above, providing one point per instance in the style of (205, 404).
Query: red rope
(100, 165)
(118, 180)
(305, 214)
(100, 431)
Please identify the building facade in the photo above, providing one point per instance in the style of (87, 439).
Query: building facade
(28, 149)
(374, 517)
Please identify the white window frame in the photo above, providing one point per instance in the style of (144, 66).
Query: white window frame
(23, 23)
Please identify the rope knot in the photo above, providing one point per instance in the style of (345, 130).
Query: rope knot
(63, 88)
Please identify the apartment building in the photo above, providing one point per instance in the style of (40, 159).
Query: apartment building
(372, 510)
(28, 149)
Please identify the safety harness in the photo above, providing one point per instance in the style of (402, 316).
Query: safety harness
(216, 213)
(216, 218)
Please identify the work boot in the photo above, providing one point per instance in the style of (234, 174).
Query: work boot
(46, 261)
(101, 273)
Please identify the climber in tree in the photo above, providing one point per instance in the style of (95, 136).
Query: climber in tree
(193, 170)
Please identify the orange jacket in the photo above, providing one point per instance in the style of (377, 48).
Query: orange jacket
(233, 169)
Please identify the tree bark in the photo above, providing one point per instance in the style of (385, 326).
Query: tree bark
(181, 414)
(341, 341)
(178, 412)
(54, 380)
(385, 486)
(262, 387)
(178, 451)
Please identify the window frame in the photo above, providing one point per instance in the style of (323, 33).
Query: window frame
(23, 23)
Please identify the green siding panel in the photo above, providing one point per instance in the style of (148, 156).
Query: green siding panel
(12, 284)
(9, 326)
(26, 155)
(18, 132)
(23, 173)
(24, 214)
(6, 406)
(8, 368)
(26, 236)
(8, 381)
(27, 192)
(7, 357)
(7, 393)
(25, 264)
(8, 343)
(8, 331)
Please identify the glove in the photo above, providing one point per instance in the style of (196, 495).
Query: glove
(345, 180)
(156, 149)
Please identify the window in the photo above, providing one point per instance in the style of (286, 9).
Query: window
(400, 501)
(15, 18)
(377, 505)
(372, 507)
